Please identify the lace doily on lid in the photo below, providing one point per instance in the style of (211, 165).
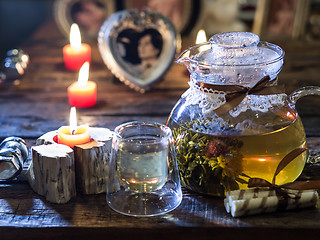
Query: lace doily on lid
(261, 103)
(231, 74)
(208, 100)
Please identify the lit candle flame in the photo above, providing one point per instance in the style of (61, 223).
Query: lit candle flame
(73, 121)
(201, 37)
(83, 75)
(75, 37)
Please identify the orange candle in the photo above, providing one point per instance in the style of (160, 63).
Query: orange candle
(76, 53)
(73, 134)
(83, 93)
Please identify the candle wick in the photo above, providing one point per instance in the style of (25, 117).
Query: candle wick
(73, 132)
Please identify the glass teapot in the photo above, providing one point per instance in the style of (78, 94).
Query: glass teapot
(235, 122)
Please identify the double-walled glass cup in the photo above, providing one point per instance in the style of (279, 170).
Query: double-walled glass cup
(144, 178)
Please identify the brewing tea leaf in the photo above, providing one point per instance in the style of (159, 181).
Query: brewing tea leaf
(208, 164)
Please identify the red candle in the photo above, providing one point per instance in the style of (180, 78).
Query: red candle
(83, 93)
(76, 53)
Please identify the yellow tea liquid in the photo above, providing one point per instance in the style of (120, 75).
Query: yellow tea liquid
(214, 164)
(262, 153)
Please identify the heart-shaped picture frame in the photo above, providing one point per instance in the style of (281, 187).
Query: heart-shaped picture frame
(138, 47)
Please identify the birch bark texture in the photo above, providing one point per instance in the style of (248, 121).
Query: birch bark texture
(58, 171)
(52, 172)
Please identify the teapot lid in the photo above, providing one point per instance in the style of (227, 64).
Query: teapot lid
(240, 48)
(233, 58)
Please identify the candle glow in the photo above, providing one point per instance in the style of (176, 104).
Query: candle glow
(73, 121)
(83, 75)
(83, 93)
(201, 37)
(73, 135)
(76, 53)
(75, 37)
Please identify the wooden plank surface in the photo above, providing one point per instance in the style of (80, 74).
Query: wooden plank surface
(37, 103)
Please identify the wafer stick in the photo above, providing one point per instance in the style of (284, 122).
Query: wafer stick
(255, 205)
(249, 193)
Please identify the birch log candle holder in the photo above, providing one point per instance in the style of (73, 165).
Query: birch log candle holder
(55, 165)
(52, 172)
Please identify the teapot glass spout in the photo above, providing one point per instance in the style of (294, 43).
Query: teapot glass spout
(188, 57)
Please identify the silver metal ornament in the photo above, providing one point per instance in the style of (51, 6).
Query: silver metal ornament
(15, 64)
(13, 153)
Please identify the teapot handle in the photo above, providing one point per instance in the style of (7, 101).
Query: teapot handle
(302, 92)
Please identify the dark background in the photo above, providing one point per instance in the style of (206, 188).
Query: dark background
(19, 19)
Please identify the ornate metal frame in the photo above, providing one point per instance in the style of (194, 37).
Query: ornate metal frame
(137, 22)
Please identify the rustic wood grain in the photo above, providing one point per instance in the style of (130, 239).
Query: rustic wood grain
(37, 103)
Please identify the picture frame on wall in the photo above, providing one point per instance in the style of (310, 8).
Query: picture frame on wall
(88, 14)
(182, 13)
(281, 18)
(313, 23)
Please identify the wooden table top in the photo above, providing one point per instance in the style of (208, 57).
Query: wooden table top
(37, 103)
